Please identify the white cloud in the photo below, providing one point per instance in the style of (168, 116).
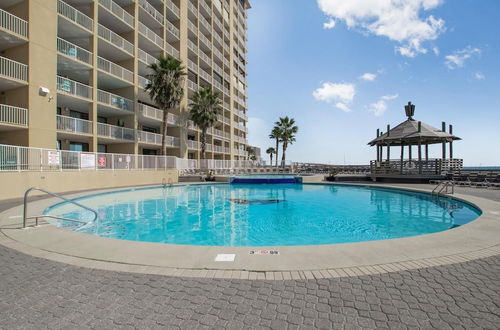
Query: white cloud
(458, 58)
(398, 20)
(343, 107)
(340, 93)
(380, 107)
(479, 76)
(330, 24)
(368, 76)
(435, 50)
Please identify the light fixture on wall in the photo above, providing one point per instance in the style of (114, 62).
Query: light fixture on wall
(43, 91)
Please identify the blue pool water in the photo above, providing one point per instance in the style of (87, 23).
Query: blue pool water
(265, 215)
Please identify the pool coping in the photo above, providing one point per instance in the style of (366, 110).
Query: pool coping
(477, 239)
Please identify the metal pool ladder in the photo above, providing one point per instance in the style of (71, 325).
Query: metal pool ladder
(36, 217)
(444, 185)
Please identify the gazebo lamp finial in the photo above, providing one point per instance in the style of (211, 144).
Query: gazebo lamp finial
(410, 110)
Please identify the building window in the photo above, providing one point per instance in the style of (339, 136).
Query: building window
(102, 148)
(77, 146)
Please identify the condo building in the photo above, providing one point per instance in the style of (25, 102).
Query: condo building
(73, 72)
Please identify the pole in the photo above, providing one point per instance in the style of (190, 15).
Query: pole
(378, 147)
(426, 152)
(402, 156)
(451, 142)
(419, 157)
(443, 128)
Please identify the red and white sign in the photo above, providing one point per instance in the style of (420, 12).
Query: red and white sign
(53, 158)
(101, 161)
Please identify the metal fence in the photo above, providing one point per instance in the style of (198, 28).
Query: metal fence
(16, 158)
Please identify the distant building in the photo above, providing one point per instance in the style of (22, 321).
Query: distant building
(254, 151)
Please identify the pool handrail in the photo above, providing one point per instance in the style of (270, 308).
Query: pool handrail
(36, 217)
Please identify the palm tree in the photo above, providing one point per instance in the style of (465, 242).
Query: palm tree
(166, 89)
(203, 109)
(276, 134)
(270, 151)
(288, 130)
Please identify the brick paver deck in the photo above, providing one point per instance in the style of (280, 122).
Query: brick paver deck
(38, 293)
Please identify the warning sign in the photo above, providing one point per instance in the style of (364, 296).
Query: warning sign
(265, 252)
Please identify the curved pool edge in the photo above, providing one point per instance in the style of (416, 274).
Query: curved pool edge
(479, 238)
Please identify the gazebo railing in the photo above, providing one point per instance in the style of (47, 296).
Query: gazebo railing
(435, 166)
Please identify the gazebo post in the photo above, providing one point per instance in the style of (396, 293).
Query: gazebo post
(451, 141)
(443, 128)
(419, 157)
(402, 156)
(378, 147)
(426, 152)
(419, 149)
(409, 152)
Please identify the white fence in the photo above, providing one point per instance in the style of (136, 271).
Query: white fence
(15, 158)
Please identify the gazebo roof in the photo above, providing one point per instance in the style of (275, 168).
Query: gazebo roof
(412, 132)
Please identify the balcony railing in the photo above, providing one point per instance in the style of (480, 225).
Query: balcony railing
(173, 29)
(75, 15)
(192, 46)
(155, 113)
(205, 40)
(74, 51)
(172, 51)
(192, 27)
(203, 21)
(205, 76)
(143, 82)
(150, 34)
(193, 8)
(115, 69)
(13, 23)
(73, 125)
(13, 69)
(115, 132)
(205, 57)
(192, 66)
(146, 58)
(205, 6)
(118, 11)
(13, 115)
(193, 144)
(154, 138)
(172, 7)
(192, 85)
(73, 87)
(115, 39)
(151, 10)
(115, 101)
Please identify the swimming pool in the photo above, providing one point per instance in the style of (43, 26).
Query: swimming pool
(265, 215)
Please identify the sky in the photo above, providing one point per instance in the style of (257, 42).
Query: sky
(343, 68)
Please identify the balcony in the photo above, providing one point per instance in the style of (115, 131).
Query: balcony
(75, 16)
(13, 30)
(205, 58)
(174, 33)
(116, 40)
(206, 76)
(152, 11)
(157, 114)
(192, 85)
(192, 66)
(193, 8)
(143, 82)
(13, 115)
(172, 51)
(115, 132)
(115, 70)
(114, 10)
(153, 138)
(15, 74)
(150, 35)
(172, 8)
(74, 88)
(193, 144)
(192, 27)
(73, 125)
(73, 51)
(193, 47)
(115, 101)
(146, 58)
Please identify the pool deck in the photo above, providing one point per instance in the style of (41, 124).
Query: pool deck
(477, 239)
(38, 293)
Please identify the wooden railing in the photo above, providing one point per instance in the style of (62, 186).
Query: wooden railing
(435, 166)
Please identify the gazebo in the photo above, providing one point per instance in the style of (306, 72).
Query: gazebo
(410, 134)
